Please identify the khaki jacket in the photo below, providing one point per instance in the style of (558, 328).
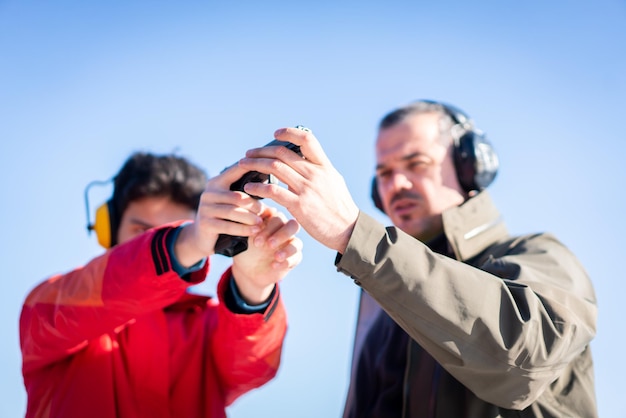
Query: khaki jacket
(511, 318)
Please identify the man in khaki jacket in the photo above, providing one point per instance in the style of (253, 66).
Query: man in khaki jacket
(474, 322)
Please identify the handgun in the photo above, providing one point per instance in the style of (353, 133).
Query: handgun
(230, 245)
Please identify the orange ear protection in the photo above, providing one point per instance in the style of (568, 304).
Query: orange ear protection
(106, 222)
(475, 160)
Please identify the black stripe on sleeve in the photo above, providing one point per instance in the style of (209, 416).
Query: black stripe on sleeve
(274, 302)
(159, 252)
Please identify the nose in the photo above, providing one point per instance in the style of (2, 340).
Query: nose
(399, 181)
(393, 184)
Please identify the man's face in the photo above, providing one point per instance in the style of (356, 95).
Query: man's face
(148, 212)
(416, 176)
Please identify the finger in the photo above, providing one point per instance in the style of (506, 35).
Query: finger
(286, 166)
(228, 212)
(290, 255)
(269, 211)
(278, 194)
(272, 221)
(213, 198)
(283, 234)
(267, 161)
(309, 145)
(228, 176)
(276, 232)
(223, 226)
(276, 160)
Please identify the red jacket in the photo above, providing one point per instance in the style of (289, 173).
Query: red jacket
(121, 337)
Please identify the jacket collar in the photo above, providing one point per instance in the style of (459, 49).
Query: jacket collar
(473, 226)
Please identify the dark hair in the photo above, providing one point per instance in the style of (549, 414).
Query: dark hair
(149, 175)
(421, 107)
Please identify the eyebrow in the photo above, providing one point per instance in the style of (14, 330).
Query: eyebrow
(405, 158)
(139, 222)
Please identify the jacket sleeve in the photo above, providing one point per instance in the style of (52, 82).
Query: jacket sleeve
(505, 330)
(62, 314)
(247, 347)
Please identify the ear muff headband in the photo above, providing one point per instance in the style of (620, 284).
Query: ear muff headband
(475, 161)
(106, 223)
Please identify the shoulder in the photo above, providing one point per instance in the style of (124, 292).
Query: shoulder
(538, 242)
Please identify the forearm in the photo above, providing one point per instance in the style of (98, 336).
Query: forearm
(246, 347)
(61, 314)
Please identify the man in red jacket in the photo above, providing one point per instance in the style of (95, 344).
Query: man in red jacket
(121, 336)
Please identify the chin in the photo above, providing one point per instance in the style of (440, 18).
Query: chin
(415, 226)
(407, 226)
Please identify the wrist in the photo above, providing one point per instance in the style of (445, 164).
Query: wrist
(183, 271)
(185, 250)
(235, 302)
(252, 293)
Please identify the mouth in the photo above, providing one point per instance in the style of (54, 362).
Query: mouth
(404, 207)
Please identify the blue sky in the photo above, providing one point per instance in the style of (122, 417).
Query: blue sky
(82, 85)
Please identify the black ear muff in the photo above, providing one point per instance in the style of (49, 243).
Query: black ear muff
(375, 196)
(475, 161)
